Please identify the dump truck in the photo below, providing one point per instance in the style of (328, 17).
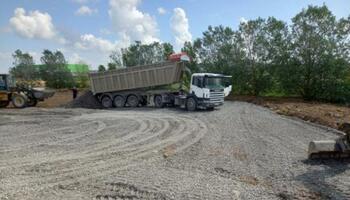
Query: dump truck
(338, 148)
(20, 95)
(142, 86)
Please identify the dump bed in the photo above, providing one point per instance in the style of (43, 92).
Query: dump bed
(137, 77)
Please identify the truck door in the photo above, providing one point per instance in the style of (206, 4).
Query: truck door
(197, 86)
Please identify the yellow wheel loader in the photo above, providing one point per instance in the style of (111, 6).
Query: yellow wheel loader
(20, 95)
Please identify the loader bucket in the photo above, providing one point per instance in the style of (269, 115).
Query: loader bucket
(40, 93)
(323, 148)
(329, 149)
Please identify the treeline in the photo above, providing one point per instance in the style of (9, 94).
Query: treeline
(138, 54)
(53, 70)
(308, 58)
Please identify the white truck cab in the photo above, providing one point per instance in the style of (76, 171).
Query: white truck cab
(209, 89)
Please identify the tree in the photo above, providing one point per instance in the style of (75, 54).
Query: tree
(23, 66)
(167, 50)
(116, 58)
(320, 44)
(142, 54)
(54, 70)
(112, 66)
(192, 52)
(101, 68)
(220, 50)
(254, 34)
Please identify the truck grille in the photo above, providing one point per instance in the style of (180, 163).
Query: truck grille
(216, 97)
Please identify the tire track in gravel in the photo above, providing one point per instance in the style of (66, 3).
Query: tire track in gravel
(154, 132)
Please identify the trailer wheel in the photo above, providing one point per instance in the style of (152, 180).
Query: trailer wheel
(119, 101)
(19, 101)
(191, 104)
(132, 101)
(106, 102)
(158, 101)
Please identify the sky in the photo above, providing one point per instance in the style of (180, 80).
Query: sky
(88, 30)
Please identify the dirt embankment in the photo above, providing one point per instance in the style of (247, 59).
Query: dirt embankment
(326, 114)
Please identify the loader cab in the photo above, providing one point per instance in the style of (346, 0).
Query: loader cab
(6, 82)
(5, 94)
(209, 89)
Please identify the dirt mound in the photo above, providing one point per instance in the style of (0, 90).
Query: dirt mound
(86, 100)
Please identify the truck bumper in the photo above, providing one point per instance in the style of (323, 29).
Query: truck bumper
(209, 104)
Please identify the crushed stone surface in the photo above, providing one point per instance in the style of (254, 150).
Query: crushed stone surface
(238, 151)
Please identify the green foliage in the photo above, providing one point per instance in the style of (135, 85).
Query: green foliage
(309, 58)
(112, 66)
(54, 70)
(321, 61)
(81, 81)
(142, 54)
(23, 68)
(116, 58)
(101, 68)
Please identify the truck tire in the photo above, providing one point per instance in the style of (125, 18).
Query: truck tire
(32, 102)
(19, 100)
(191, 104)
(4, 104)
(158, 101)
(119, 101)
(132, 101)
(106, 102)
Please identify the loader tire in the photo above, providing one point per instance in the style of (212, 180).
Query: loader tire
(19, 100)
(32, 102)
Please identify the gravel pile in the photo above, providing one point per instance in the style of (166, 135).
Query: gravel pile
(86, 100)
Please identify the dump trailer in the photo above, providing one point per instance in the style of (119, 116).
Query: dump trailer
(141, 86)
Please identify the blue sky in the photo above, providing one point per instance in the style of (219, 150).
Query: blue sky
(88, 30)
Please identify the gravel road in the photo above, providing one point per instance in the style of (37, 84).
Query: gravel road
(239, 151)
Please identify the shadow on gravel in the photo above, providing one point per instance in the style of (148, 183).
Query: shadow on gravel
(316, 179)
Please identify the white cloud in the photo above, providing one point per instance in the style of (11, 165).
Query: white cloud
(34, 25)
(128, 21)
(161, 11)
(180, 27)
(91, 42)
(75, 58)
(85, 10)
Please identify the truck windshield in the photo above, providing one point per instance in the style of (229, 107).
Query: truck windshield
(214, 82)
